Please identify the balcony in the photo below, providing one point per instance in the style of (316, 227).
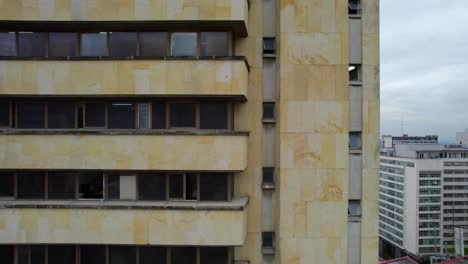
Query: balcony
(121, 222)
(165, 78)
(124, 150)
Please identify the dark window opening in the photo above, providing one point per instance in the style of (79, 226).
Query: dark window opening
(113, 186)
(268, 239)
(268, 175)
(213, 255)
(30, 115)
(5, 114)
(213, 116)
(268, 111)
(153, 44)
(269, 46)
(63, 44)
(355, 140)
(122, 255)
(7, 44)
(152, 187)
(61, 115)
(92, 254)
(354, 7)
(214, 44)
(184, 255)
(32, 44)
(95, 115)
(90, 186)
(354, 73)
(122, 44)
(7, 253)
(7, 184)
(60, 254)
(152, 255)
(31, 185)
(184, 44)
(61, 185)
(158, 115)
(354, 207)
(94, 44)
(213, 187)
(144, 115)
(191, 192)
(38, 255)
(23, 255)
(176, 186)
(183, 115)
(122, 115)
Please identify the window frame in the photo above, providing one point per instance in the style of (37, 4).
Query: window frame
(10, 113)
(106, 111)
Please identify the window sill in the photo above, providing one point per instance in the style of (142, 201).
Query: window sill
(268, 250)
(354, 15)
(237, 204)
(354, 218)
(355, 151)
(84, 131)
(269, 55)
(268, 186)
(355, 83)
(269, 121)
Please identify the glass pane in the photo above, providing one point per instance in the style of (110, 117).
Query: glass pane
(32, 44)
(62, 44)
(122, 115)
(31, 185)
(355, 140)
(61, 185)
(92, 254)
(184, 44)
(268, 175)
(61, 115)
(153, 43)
(23, 255)
(176, 186)
(268, 110)
(122, 255)
(95, 115)
(7, 253)
(61, 254)
(267, 239)
(31, 115)
(90, 185)
(213, 187)
(184, 255)
(122, 43)
(7, 44)
(213, 255)
(152, 187)
(143, 115)
(94, 44)
(214, 44)
(191, 187)
(183, 115)
(6, 184)
(153, 255)
(4, 114)
(113, 186)
(158, 115)
(213, 116)
(37, 254)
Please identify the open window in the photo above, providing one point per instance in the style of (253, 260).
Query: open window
(7, 44)
(61, 185)
(32, 44)
(121, 186)
(214, 255)
(90, 185)
(152, 187)
(268, 112)
(153, 44)
(61, 115)
(8, 253)
(30, 185)
(176, 186)
(355, 73)
(7, 181)
(94, 44)
(30, 115)
(214, 43)
(268, 243)
(269, 47)
(152, 255)
(354, 7)
(184, 44)
(63, 44)
(5, 114)
(158, 115)
(354, 208)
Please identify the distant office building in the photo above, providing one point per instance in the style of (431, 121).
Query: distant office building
(462, 138)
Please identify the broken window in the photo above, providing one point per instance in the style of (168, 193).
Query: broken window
(30, 115)
(60, 254)
(268, 111)
(144, 115)
(158, 115)
(152, 255)
(184, 44)
(7, 44)
(4, 114)
(354, 207)
(95, 115)
(7, 253)
(61, 185)
(6, 184)
(354, 73)
(153, 43)
(122, 255)
(176, 186)
(355, 140)
(32, 44)
(214, 43)
(213, 116)
(354, 7)
(94, 44)
(152, 186)
(183, 115)
(93, 254)
(269, 46)
(268, 176)
(184, 255)
(191, 184)
(90, 185)
(61, 115)
(122, 44)
(122, 115)
(213, 255)
(213, 187)
(31, 185)
(63, 44)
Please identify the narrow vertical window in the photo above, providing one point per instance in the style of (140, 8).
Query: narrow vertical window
(6, 185)
(268, 111)
(153, 43)
(158, 115)
(354, 73)
(176, 186)
(95, 115)
(184, 44)
(268, 242)
(32, 44)
(268, 177)
(122, 115)
(191, 189)
(183, 115)
(30, 115)
(94, 44)
(5, 114)
(61, 115)
(214, 44)
(7, 44)
(63, 44)
(113, 186)
(354, 7)
(122, 44)
(144, 115)
(31, 185)
(213, 116)
(355, 140)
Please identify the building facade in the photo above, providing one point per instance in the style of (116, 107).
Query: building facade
(174, 131)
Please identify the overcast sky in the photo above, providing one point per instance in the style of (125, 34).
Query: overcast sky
(424, 67)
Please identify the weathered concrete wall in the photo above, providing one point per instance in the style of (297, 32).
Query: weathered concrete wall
(190, 77)
(124, 152)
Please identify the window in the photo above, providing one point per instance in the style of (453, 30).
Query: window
(63, 44)
(158, 115)
(176, 186)
(30, 115)
(268, 176)
(144, 115)
(7, 253)
(32, 44)
(191, 183)
(213, 187)
(61, 115)
(213, 116)
(122, 255)
(30, 255)
(152, 186)
(122, 44)
(113, 186)
(183, 115)
(354, 208)
(94, 44)
(31, 185)
(269, 46)
(213, 255)
(214, 44)
(122, 115)
(61, 185)
(268, 111)
(268, 242)
(59, 254)
(152, 255)
(4, 114)
(354, 7)
(184, 44)
(7, 44)
(184, 255)
(95, 115)
(6, 184)
(93, 254)
(354, 73)
(90, 185)
(153, 44)
(355, 140)
(23, 255)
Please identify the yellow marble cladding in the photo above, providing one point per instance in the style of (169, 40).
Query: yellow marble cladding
(124, 152)
(127, 227)
(123, 10)
(148, 77)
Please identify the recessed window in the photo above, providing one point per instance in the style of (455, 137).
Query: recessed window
(355, 140)
(95, 115)
(184, 44)
(5, 114)
(158, 115)
(153, 43)
(31, 185)
(90, 185)
(191, 184)
(61, 115)
(183, 115)
(213, 116)
(354, 72)
(269, 46)
(214, 44)
(60, 254)
(122, 115)
(354, 208)
(122, 255)
(269, 111)
(184, 255)
(268, 242)
(176, 186)
(6, 184)
(354, 7)
(7, 253)
(213, 187)
(93, 254)
(214, 255)
(144, 115)
(7, 44)
(94, 44)
(152, 255)
(268, 176)
(122, 44)
(32, 44)
(152, 186)
(30, 115)
(63, 44)
(61, 185)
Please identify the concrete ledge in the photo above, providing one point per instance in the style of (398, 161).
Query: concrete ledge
(84, 131)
